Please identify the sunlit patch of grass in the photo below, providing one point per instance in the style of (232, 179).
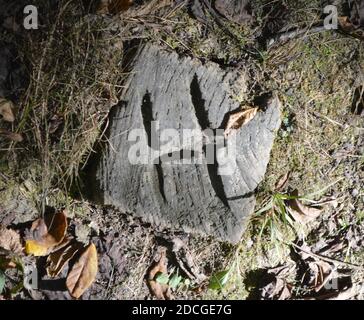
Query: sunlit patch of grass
(275, 214)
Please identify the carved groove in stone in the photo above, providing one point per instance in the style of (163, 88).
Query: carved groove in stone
(181, 93)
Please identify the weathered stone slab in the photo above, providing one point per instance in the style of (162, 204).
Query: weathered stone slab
(214, 198)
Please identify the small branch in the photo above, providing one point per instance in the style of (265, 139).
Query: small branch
(327, 259)
(286, 36)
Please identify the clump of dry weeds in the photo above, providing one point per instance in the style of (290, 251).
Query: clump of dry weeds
(75, 65)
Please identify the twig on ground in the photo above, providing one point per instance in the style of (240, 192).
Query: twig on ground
(327, 259)
(293, 34)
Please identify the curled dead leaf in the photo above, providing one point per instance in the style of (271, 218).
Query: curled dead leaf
(6, 110)
(300, 212)
(10, 240)
(279, 288)
(57, 260)
(83, 272)
(10, 248)
(282, 182)
(239, 119)
(39, 229)
(186, 262)
(283, 290)
(57, 225)
(322, 274)
(349, 26)
(65, 242)
(345, 24)
(46, 233)
(159, 290)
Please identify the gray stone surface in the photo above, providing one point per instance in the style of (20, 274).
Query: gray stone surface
(182, 93)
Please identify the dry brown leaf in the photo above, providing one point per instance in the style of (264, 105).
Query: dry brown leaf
(186, 261)
(345, 24)
(305, 251)
(283, 290)
(16, 137)
(10, 240)
(239, 119)
(349, 27)
(46, 233)
(6, 110)
(279, 288)
(83, 272)
(159, 290)
(65, 242)
(323, 273)
(39, 229)
(282, 182)
(57, 225)
(301, 213)
(113, 6)
(10, 247)
(57, 260)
